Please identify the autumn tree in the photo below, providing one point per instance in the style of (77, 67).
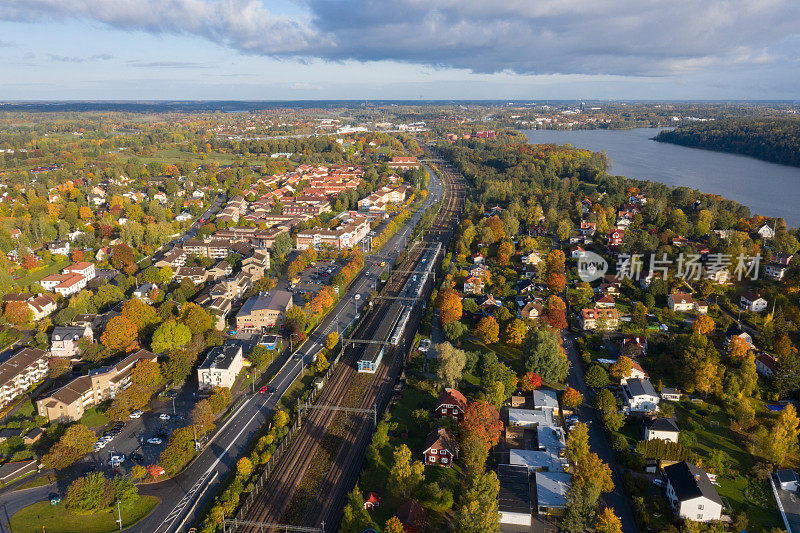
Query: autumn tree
(482, 421)
(451, 363)
(477, 510)
(332, 340)
(607, 522)
(621, 368)
(448, 302)
(515, 333)
(18, 313)
(169, 336)
(530, 381)
(571, 398)
(737, 348)
(556, 313)
(554, 271)
(140, 314)
(76, 442)
(197, 319)
(393, 525)
(119, 335)
(783, 437)
(577, 443)
(322, 363)
(702, 368)
(147, 374)
(488, 330)
(406, 474)
(702, 325)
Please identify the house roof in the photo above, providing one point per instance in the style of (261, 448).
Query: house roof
(689, 482)
(412, 514)
(551, 489)
(751, 296)
(441, 439)
(785, 475)
(452, 397)
(681, 298)
(662, 424)
(641, 387)
(515, 490)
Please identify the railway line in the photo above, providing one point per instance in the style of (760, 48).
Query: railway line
(276, 502)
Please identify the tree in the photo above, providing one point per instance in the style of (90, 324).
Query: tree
(596, 377)
(451, 364)
(406, 474)
(196, 318)
(280, 419)
(621, 369)
(322, 363)
(76, 442)
(703, 371)
(702, 325)
(282, 245)
(571, 398)
(332, 340)
(203, 417)
(147, 374)
(119, 335)
(140, 314)
(355, 518)
(244, 467)
(18, 313)
(737, 348)
(544, 355)
(530, 381)
(448, 302)
(482, 421)
(393, 525)
(455, 331)
(783, 438)
(477, 511)
(487, 330)
(169, 336)
(556, 313)
(516, 330)
(578, 443)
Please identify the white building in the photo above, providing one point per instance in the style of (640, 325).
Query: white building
(661, 428)
(222, 365)
(753, 302)
(640, 396)
(691, 493)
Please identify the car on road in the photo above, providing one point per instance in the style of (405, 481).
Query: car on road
(154, 440)
(264, 389)
(425, 345)
(136, 414)
(164, 416)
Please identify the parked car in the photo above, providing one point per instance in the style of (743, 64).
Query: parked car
(424, 345)
(164, 416)
(136, 414)
(154, 440)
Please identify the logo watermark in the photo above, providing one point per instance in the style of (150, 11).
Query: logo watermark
(718, 267)
(591, 267)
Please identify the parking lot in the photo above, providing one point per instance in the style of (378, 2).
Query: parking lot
(131, 441)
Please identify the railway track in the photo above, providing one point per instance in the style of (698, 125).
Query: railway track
(327, 502)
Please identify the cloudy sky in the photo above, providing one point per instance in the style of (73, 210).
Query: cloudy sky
(399, 49)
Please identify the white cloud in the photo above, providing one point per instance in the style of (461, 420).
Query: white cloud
(594, 37)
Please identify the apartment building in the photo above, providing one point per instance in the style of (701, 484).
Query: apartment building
(256, 265)
(347, 235)
(264, 310)
(175, 258)
(588, 318)
(64, 284)
(71, 401)
(403, 163)
(64, 340)
(84, 268)
(20, 371)
(220, 368)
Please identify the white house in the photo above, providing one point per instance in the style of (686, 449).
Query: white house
(640, 396)
(765, 231)
(751, 301)
(636, 372)
(679, 301)
(661, 428)
(691, 493)
(532, 258)
(84, 268)
(775, 271)
(766, 364)
(670, 394)
(144, 291)
(184, 216)
(787, 479)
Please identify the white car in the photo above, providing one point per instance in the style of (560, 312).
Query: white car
(154, 440)
(424, 345)
(106, 439)
(164, 416)
(99, 445)
(136, 414)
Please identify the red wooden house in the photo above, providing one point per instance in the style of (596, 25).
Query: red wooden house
(441, 448)
(451, 403)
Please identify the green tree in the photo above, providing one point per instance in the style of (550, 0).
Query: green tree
(406, 474)
(544, 355)
(169, 336)
(477, 510)
(451, 364)
(596, 377)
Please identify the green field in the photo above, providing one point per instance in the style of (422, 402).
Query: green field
(95, 417)
(35, 275)
(42, 516)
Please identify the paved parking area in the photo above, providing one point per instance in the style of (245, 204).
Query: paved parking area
(790, 504)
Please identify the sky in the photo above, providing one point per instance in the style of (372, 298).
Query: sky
(403, 49)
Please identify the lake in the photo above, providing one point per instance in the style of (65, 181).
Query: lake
(768, 189)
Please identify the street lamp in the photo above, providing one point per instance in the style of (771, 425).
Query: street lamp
(173, 406)
(119, 516)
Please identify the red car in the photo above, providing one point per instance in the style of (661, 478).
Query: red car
(264, 389)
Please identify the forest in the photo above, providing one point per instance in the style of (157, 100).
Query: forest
(770, 139)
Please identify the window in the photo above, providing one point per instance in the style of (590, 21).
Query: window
(431, 459)
(444, 460)
(433, 451)
(442, 452)
(699, 507)
(699, 517)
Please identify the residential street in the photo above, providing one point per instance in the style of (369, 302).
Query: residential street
(598, 442)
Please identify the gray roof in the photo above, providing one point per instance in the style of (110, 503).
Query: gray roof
(221, 357)
(546, 399)
(640, 387)
(276, 301)
(663, 424)
(786, 476)
(551, 489)
(64, 332)
(515, 491)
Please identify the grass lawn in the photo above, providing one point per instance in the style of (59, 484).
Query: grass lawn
(35, 275)
(42, 516)
(40, 481)
(95, 417)
(711, 427)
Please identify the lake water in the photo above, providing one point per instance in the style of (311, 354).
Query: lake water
(767, 189)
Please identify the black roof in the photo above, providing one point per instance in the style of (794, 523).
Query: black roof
(515, 489)
(785, 475)
(663, 424)
(689, 482)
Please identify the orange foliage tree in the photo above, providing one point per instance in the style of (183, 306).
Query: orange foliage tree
(571, 398)
(482, 421)
(449, 304)
(487, 330)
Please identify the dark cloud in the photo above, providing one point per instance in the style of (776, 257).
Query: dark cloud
(617, 37)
